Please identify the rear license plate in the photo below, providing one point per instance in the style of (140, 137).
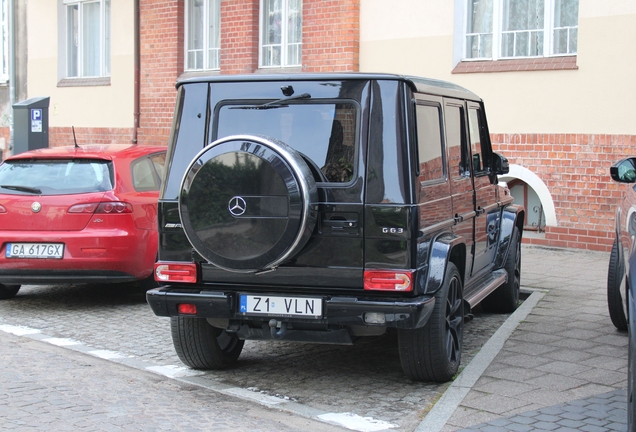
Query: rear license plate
(34, 250)
(261, 305)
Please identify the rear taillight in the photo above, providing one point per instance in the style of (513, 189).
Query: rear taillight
(173, 272)
(115, 207)
(388, 280)
(187, 309)
(2, 209)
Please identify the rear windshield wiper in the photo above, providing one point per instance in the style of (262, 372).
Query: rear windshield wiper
(273, 104)
(22, 189)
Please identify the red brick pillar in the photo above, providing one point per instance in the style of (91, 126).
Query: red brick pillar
(161, 50)
(331, 36)
(239, 36)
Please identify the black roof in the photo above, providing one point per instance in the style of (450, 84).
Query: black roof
(423, 85)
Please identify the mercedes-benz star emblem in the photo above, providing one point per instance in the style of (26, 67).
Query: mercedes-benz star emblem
(237, 206)
(36, 207)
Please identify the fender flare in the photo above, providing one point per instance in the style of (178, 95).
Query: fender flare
(444, 248)
(511, 216)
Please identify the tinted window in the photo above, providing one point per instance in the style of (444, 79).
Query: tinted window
(455, 140)
(429, 142)
(479, 165)
(55, 177)
(323, 133)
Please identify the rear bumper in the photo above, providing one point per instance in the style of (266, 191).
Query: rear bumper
(337, 310)
(90, 255)
(45, 277)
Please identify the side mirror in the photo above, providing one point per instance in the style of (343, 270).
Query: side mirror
(624, 171)
(500, 164)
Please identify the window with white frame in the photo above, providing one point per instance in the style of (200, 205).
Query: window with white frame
(87, 38)
(281, 33)
(203, 34)
(504, 29)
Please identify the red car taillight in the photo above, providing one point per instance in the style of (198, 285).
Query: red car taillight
(173, 272)
(116, 207)
(388, 280)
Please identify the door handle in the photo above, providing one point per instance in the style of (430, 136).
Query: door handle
(340, 223)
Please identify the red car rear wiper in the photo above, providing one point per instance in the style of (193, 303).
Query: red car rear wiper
(22, 189)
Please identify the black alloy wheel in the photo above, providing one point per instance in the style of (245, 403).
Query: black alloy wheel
(433, 352)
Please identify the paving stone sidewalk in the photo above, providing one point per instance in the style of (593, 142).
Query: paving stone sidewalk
(565, 365)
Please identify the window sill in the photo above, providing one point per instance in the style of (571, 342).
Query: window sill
(517, 65)
(84, 82)
(278, 70)
(198, 73)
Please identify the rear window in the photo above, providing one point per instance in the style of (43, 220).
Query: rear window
(323, 133)
(55, 177)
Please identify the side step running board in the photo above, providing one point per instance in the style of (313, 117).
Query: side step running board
(485, 286)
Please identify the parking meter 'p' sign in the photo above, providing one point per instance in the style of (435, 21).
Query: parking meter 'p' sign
(36, 120)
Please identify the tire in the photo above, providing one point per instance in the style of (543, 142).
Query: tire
(248, 203)
(8, 291)
(433, 352)
(614, 287)
(505, 299)
(201, 346)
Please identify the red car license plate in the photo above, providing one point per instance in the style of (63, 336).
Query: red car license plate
(34, 250)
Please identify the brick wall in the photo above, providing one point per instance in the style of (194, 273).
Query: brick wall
(239, 36)
(331, 36)
(63, 136)
(575, 169)
(162, 47)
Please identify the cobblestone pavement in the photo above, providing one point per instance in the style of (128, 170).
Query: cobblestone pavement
(43, 387)
(564, 367)
(364, 379)
(600, 413)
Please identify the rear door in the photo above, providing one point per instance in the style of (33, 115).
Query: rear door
(461, 182)
(434, 200)
(324, 122)
(486, 205)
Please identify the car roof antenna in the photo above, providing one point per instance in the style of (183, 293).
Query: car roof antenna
(74, 138)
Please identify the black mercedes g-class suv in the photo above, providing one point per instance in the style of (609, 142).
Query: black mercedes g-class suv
(328, 207)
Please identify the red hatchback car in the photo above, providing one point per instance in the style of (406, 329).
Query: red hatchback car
(79, 215)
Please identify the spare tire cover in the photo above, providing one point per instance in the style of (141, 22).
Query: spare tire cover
(248, 203)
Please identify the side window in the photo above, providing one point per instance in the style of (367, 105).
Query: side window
(456, 140)
(478, 162)
(159, 160)
(430, 146)
(145, 173)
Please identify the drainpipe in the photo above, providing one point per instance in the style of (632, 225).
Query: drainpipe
(137, 54)
(12, 60)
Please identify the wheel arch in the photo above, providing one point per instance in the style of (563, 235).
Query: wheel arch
(444, 249)
(512, 217)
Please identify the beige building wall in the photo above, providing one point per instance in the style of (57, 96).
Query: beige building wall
(417, 37)
(108, 106)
